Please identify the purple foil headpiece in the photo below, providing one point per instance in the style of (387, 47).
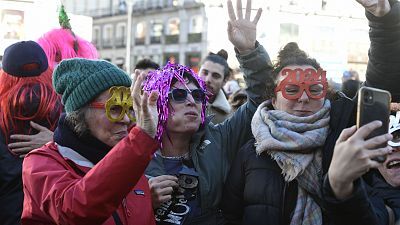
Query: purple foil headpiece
(160, 80)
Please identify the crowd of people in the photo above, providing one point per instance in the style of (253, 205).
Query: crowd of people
(83, 142)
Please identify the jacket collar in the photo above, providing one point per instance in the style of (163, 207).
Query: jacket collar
(197, 143)
(88, 146)
(221, 103)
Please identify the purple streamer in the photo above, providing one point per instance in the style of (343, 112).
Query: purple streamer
(160, 80)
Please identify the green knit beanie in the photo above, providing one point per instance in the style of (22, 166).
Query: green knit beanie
(79, 81)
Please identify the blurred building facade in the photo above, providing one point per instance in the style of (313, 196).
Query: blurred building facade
(335, 32)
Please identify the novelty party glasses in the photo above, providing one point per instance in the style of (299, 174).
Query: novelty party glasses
(312, 81)
(119, 104)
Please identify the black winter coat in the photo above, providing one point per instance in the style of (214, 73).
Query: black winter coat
(256, 192)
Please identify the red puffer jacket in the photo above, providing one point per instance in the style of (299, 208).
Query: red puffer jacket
(61, 188)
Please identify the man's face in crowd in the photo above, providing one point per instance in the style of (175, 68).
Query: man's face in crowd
(213, 75)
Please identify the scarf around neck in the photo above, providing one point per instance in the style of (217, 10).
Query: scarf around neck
(290, 140)
(88, 146)
(295, 144)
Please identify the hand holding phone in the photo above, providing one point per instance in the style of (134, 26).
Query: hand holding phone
(374, 104)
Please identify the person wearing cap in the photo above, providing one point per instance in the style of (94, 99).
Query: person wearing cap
(92, 173)
(385, 181)
(390, 169)
(27, 100)
(58, 44)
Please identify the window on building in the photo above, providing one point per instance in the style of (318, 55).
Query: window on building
(140, 33)
(195, 29)
(173, 26)
(156, 31)
(96, 35)
(120, 34)
(140, 30)
(196, 24)
(107, 35)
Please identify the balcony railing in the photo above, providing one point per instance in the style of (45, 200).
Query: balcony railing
(194, 37)
(171, 39)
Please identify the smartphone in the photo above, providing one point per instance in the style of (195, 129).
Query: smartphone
(374, 104)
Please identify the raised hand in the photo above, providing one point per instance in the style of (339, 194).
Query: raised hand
(29, 142)
(145, 106)
(378, 8)
(242, 31)
(353, 157)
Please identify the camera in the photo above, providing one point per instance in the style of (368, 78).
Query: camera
(368, 97)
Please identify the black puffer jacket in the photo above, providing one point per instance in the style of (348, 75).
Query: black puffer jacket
(256, 193)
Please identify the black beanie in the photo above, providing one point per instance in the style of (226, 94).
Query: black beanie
(24, 59)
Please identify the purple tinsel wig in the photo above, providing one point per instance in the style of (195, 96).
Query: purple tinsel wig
(161, 80)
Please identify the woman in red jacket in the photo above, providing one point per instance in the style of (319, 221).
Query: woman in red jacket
(93, 171)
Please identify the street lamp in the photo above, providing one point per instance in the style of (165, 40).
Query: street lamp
(129, 5)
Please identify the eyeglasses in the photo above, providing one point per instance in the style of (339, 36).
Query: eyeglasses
(313, 90)
(115, 112)
(180, 95)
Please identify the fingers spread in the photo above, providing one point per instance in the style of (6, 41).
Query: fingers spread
(257, 17)
(231, 12)
(239, 9)
(248, 10)
(230, 30)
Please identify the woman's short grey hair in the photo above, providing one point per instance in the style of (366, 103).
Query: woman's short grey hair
(77, 121)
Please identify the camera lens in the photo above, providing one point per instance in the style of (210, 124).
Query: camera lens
(368, 97)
